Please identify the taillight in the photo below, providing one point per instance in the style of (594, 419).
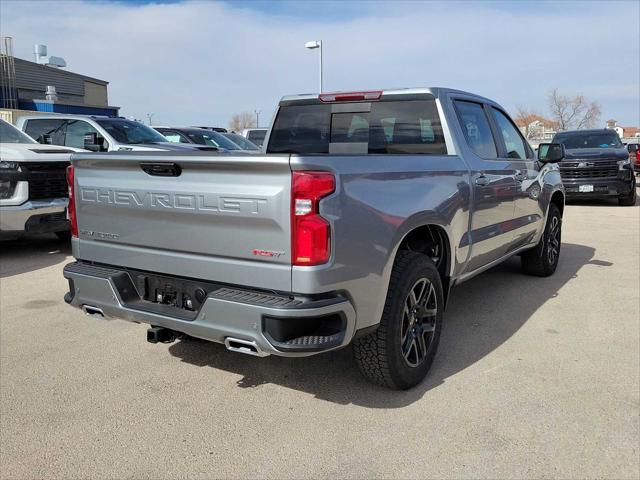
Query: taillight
(310, 233)
(71, 208)
(350, 96)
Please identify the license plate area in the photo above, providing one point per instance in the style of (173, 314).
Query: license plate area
(172, 292)
(585, 188)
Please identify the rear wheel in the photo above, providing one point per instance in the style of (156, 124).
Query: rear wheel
(400, 352)
(542, 260)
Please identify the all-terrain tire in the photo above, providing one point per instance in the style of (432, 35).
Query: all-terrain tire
(630, 199)
(542, 260)
(380, 354)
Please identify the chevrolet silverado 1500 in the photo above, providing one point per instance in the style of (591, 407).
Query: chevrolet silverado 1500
(352, 228)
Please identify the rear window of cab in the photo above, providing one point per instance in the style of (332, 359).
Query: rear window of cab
(385, 127)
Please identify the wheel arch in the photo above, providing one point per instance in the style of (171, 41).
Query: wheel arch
(557, 199)
(423, 238)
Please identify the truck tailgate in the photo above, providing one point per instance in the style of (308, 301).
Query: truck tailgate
(217, 217)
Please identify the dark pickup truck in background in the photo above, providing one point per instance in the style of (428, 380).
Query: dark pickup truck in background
(596, 165)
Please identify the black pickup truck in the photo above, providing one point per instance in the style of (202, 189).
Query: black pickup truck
(596, 165)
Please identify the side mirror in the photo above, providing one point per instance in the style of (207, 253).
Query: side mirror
(550, 152)
(92, 142)
(633, 147)
(45, 139)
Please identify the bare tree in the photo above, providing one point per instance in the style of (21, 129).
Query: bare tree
(524, 117)
(571, 113)
(243, 120)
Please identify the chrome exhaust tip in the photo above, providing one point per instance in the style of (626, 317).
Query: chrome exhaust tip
(248, 347)
(93, 311)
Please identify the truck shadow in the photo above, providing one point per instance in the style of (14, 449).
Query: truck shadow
(31, 253)
(483, 314)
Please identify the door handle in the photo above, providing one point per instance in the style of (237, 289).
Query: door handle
(482, 181)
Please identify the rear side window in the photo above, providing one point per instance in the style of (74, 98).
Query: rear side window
(387, 127)
(475, 125)
(47, 131)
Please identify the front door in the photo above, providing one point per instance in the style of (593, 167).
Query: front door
(529, 215)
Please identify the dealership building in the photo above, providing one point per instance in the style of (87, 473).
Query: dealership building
(30, 87)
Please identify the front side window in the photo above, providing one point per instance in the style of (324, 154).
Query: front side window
(129, 132)
(512, 139)
(476, 129)
(48, 131)
(390, 127)
(76, 132)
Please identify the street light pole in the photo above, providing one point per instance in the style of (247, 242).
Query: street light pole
(320, 42)
(312, 46)
(257, 112)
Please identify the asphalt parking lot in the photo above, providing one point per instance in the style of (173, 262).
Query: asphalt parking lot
(534, 378)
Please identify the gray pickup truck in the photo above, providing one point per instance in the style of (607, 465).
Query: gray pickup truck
(353, 227)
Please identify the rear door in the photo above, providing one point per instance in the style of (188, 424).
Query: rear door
(493, 183)
(211, 217)
(528, 215)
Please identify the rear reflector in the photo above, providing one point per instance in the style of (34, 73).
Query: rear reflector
(350, 96)
(310, 233)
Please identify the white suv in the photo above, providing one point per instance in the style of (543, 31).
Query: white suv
(97, 134)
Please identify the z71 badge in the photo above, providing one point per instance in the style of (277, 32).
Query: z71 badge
(101, 235)
(266, 253)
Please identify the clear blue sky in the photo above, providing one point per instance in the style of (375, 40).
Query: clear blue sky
(200, 62)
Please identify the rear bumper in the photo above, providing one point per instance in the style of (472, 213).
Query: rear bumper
(35, 216)
(602, 187)
(266, 320)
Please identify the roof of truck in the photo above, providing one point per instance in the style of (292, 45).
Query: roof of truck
(435, 91)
